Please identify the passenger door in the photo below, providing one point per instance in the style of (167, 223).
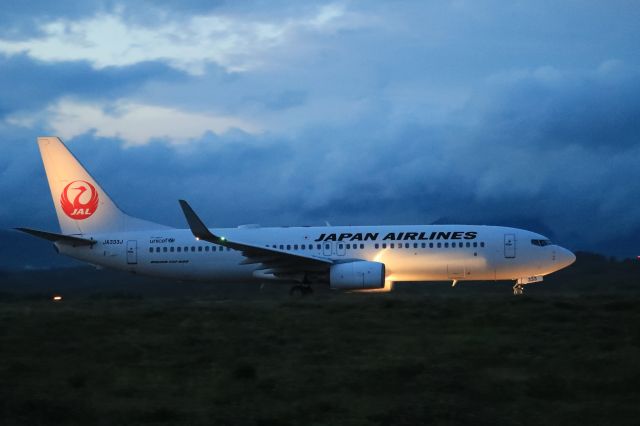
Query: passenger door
(132, 252)
(509, 246)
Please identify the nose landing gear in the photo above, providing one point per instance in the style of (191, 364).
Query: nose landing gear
(518, 289)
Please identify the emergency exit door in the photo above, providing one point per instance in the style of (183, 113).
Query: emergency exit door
(132, 252)
(509, 246)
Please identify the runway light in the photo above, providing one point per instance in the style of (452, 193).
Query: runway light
(57, 298)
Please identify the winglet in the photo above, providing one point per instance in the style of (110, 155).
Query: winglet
(201, 232)
(198, 228)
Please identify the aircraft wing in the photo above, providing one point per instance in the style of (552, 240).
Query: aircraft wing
(278, 262)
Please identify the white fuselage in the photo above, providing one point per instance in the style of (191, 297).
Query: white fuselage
(409, 253)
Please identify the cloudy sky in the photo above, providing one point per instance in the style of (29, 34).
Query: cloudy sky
(293, 113)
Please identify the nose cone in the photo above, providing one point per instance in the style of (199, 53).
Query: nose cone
(564, 257)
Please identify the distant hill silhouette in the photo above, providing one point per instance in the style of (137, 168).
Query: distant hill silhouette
(19, 251)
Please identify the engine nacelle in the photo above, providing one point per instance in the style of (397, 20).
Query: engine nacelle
(357, 275)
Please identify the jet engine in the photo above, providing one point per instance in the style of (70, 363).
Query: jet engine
(357, 275)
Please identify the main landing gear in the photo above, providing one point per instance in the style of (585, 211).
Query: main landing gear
(300, 290)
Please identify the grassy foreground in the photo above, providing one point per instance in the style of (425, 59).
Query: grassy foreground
(334, 360)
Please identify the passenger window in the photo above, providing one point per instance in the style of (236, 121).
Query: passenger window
(348, 246)
(171, 249)
(199, 248)
(439, 245)
(423, 245)
(186, 249)
(319, 246)
(193, 248)
(164, 249)
(150, 249)
(392, 245)
(362, 246)
(384, 245)
(340, 246)
(468, 245)
(206, 248)
(179, 249)
(481, 244)
(430, 245)
(288, 246)
(327, 246)
(157, 249)
(295, 247)
(446, 245)
(415, 245)
(475, 244)
(281, 247)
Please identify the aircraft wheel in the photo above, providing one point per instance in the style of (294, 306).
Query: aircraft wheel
(296, 291)
(300, 290)
(518, 289)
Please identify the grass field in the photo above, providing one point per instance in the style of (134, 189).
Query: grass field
(332, 359)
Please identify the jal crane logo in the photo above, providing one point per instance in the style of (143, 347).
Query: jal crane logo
(85, 200)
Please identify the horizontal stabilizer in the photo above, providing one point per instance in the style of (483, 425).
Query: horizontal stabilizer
(58, 238)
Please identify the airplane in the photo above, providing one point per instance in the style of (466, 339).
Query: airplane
(354, 258)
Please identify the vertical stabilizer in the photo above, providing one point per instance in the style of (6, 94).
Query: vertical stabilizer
(81, 204)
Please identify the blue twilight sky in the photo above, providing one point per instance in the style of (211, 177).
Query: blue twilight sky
(522, 113)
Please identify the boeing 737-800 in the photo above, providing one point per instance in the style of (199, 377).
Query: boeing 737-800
(356, 258)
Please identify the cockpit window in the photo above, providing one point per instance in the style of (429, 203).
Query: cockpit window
(541, 243)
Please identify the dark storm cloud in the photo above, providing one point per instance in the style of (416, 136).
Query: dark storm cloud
(593, 109)
(30, 84)
(417, 174)
(21, 180)
(498, 161)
